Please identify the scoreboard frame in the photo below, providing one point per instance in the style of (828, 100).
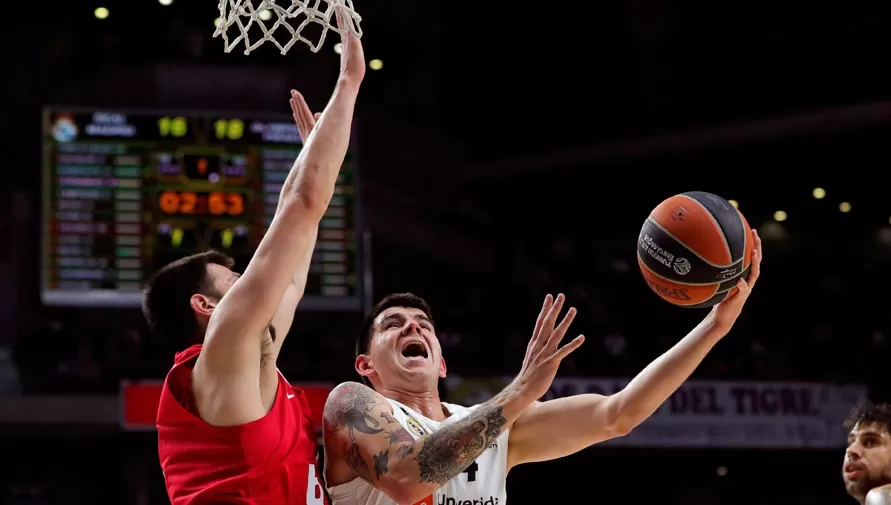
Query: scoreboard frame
(358, 302)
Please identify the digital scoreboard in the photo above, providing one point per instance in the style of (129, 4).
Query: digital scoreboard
(125, 193)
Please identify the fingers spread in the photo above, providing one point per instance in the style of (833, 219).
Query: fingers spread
(558, 334)
(551, 318)
(567, 349)
(540, 321)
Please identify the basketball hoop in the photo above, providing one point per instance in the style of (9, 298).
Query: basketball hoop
(269, 18)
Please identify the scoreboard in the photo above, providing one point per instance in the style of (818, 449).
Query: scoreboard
(125, 193)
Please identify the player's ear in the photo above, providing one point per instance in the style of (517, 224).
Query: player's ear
(202, 305)
(442, 368)
(364, 366)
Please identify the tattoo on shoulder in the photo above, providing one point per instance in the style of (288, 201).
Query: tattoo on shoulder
(354, 460)
(381, 460)
(400, 436)
(449, 451)
(350, 408)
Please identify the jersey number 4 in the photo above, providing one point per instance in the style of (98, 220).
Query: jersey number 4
(471, 471)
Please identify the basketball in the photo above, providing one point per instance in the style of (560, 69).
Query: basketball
(693, 248)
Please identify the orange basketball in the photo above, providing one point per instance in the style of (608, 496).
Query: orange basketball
(693, 248)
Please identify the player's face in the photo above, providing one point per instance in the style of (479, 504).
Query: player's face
(403, 352)
(867, 461)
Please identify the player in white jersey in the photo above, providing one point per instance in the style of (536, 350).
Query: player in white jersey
(398, 443)
(866, 470)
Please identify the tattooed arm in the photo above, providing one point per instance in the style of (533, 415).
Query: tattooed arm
(363, 440)
(879, 496)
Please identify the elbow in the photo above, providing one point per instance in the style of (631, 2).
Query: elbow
(621, 428)
(620, 420)
(308, 194)
(403, 491)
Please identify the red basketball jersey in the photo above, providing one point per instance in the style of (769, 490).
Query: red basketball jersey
(268, 461)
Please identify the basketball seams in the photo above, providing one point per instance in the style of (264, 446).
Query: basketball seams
(714, 222)
(680, 242)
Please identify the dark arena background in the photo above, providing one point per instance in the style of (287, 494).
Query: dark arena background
(501, 151)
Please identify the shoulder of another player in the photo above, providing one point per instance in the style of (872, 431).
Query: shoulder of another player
(879, 496)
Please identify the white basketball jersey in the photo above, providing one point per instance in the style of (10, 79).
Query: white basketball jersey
(483, 483)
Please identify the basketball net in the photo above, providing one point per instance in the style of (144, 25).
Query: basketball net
(271, 22)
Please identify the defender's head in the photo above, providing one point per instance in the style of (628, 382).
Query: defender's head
(867, 461)
(398, 348)
(180, 297)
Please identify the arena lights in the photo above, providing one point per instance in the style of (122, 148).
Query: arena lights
(338, 48)
(734, 203)
(780, 216)
(844, 207)
(165, 2)
(721, 471)
(100, 13)
(819, 193)
(265, 15)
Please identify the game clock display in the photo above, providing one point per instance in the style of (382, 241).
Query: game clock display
(125, 193)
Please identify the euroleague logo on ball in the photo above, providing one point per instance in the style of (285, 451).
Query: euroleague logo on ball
(681, 266)
(679, 213)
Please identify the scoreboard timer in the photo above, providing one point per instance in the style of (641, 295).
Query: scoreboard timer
(125, 193)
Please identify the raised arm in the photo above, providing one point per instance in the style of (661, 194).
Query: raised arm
(229, 365)
(281, 321)
(362, 435)
(564, 426)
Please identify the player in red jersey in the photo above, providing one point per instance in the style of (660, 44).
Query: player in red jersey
(230, 428)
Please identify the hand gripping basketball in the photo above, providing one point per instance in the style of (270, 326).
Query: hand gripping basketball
(544, 354)
(726, 312)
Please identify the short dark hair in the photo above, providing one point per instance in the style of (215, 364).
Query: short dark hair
(409, 300)
(871, 414)
(165, 302)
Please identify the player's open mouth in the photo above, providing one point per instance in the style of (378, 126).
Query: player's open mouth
(414, 349)
(852, 468)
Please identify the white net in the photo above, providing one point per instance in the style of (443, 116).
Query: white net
(281, 25)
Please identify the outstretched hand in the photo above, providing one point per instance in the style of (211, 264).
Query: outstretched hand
(303, 117)
(726, 312)
(352, 56)
(544, 354)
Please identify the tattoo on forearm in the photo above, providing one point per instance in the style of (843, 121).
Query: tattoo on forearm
(449, 451)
